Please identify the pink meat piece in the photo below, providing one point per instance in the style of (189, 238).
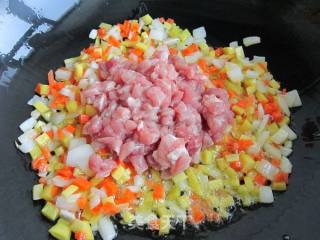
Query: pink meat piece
(139, 163)
(171, 155)
(156, 96)
(155, 113)
(113, 143)
(126, 149)
(216, 110)
(101, 167)
(148, 135)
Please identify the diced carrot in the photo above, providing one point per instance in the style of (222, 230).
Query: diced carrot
(189, 50)
(82, 183)
(96, 54)
(223, 75)
(134, 36)
(126, 197)
(259, 179)
(281, 177)
(60, 134)
(70, 128)
(82, 202)
(236, 165)
(97, 210)
(50, 133)
(231, 93)
(203, 65)
(158, 191)
(79, 235)
(38, 88)
(83, 118)
(170, 20)
(134, 27)
(138, 52)
(110, 208)
(110, 187)
(197, 214)
(55, 190)
(263, 66)
(154, 224)
(42, 180)
(173, 51)
(218, 83)
(243, 144)
(275, 162)
(219, 52)
(101, 32)
(113, 41)
(38, 163)
(66, 172)
(62, 158)
(212, 69)
(51, 79)
(46, 152)
(277, 116)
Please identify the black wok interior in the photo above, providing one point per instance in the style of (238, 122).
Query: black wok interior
(290, 32)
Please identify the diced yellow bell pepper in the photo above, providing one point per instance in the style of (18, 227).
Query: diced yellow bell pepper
(50, 211)
(60, 231)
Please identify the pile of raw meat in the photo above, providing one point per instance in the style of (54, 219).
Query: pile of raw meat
(156, 113)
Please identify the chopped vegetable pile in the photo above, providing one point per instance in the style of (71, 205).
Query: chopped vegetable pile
(152, 125)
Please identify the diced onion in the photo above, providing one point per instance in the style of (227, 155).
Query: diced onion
(93, 34)
(67, 215)
(286, 165)
(35, 99)
(234, 44)
(248, 41)
(262, 137)
(94, 201)
(106, 229)
(261, 87)
(57, 117)
(149, 52)
(286, 151)
(27, 136)
(264, 122)
(291, 133)
(63, 74)
(251, 74)
(293, 99)
(234, 72)
(280, 136)
(115, 32)
(265, 194)
(28, 124)
(199, 33)
(67, 92)
(258, 59)
(138, 180)
(60, 181)
(193, 57)
(266, 169)
(219, 63)
(35, 114)
(63, 203)
(26, 146)
(75, 142)
(272, 151)
(283, 105)
(171, 41)
(157, 34)
(79, 156)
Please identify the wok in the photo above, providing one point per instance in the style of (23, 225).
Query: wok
(55, 30)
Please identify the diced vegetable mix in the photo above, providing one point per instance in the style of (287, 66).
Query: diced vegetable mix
(246, 165)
